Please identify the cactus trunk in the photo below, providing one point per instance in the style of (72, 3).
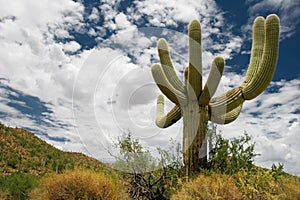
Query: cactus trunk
(195, 104)
(195, 121)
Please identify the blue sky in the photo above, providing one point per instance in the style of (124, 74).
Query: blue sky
(77, 73)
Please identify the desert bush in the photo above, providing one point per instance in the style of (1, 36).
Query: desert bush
(258, 184)
(214, 186)
(230, 156)
(17, 186)
(289, 186)
(148, 177)
(277, 171)
(79, 184)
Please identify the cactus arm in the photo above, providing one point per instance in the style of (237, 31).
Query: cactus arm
(258, 37)
(226, 102)
(194, 86)
(261, 69)
(164, 85)
(213, 80)
(162, 120)
(269, 60)
(167, 66)
(226, 118)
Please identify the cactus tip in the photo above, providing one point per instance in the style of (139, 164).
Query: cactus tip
(155, 67)
(162, 44)
(219, 60)
(194, 25)
(272, 18)
(259, 19)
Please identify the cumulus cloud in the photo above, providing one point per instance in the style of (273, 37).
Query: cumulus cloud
(288, 11)
(37, 66)
(71, 46)
(29, 47)
(94, 16)
(166, 13)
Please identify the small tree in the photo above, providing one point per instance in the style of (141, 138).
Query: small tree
(230, 156)
(148, 177)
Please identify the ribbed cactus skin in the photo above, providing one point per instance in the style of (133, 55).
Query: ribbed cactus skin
(194, 88)
(263, 75)
(213, 80)
(195, 104)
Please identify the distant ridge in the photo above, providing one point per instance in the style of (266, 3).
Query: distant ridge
(22, 151)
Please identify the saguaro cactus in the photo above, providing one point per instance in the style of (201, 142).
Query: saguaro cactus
(195, 103)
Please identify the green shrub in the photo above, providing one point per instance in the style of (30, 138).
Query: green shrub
(277, 171)
(230, 156)
(13, 161)
(79, 184)
(17, 186)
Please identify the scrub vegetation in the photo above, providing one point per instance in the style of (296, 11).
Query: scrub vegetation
(32, 169)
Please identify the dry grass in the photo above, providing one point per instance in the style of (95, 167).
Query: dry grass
(79, 184)
(212, 187)
(257, 184)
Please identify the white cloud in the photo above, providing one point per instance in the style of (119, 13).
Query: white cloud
(121, 21)
(61, 33)
(28, 53)
(169, 13)
(94, 16)
(288, 11)
(71, 46)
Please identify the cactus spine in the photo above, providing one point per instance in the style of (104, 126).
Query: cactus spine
(195, 103)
